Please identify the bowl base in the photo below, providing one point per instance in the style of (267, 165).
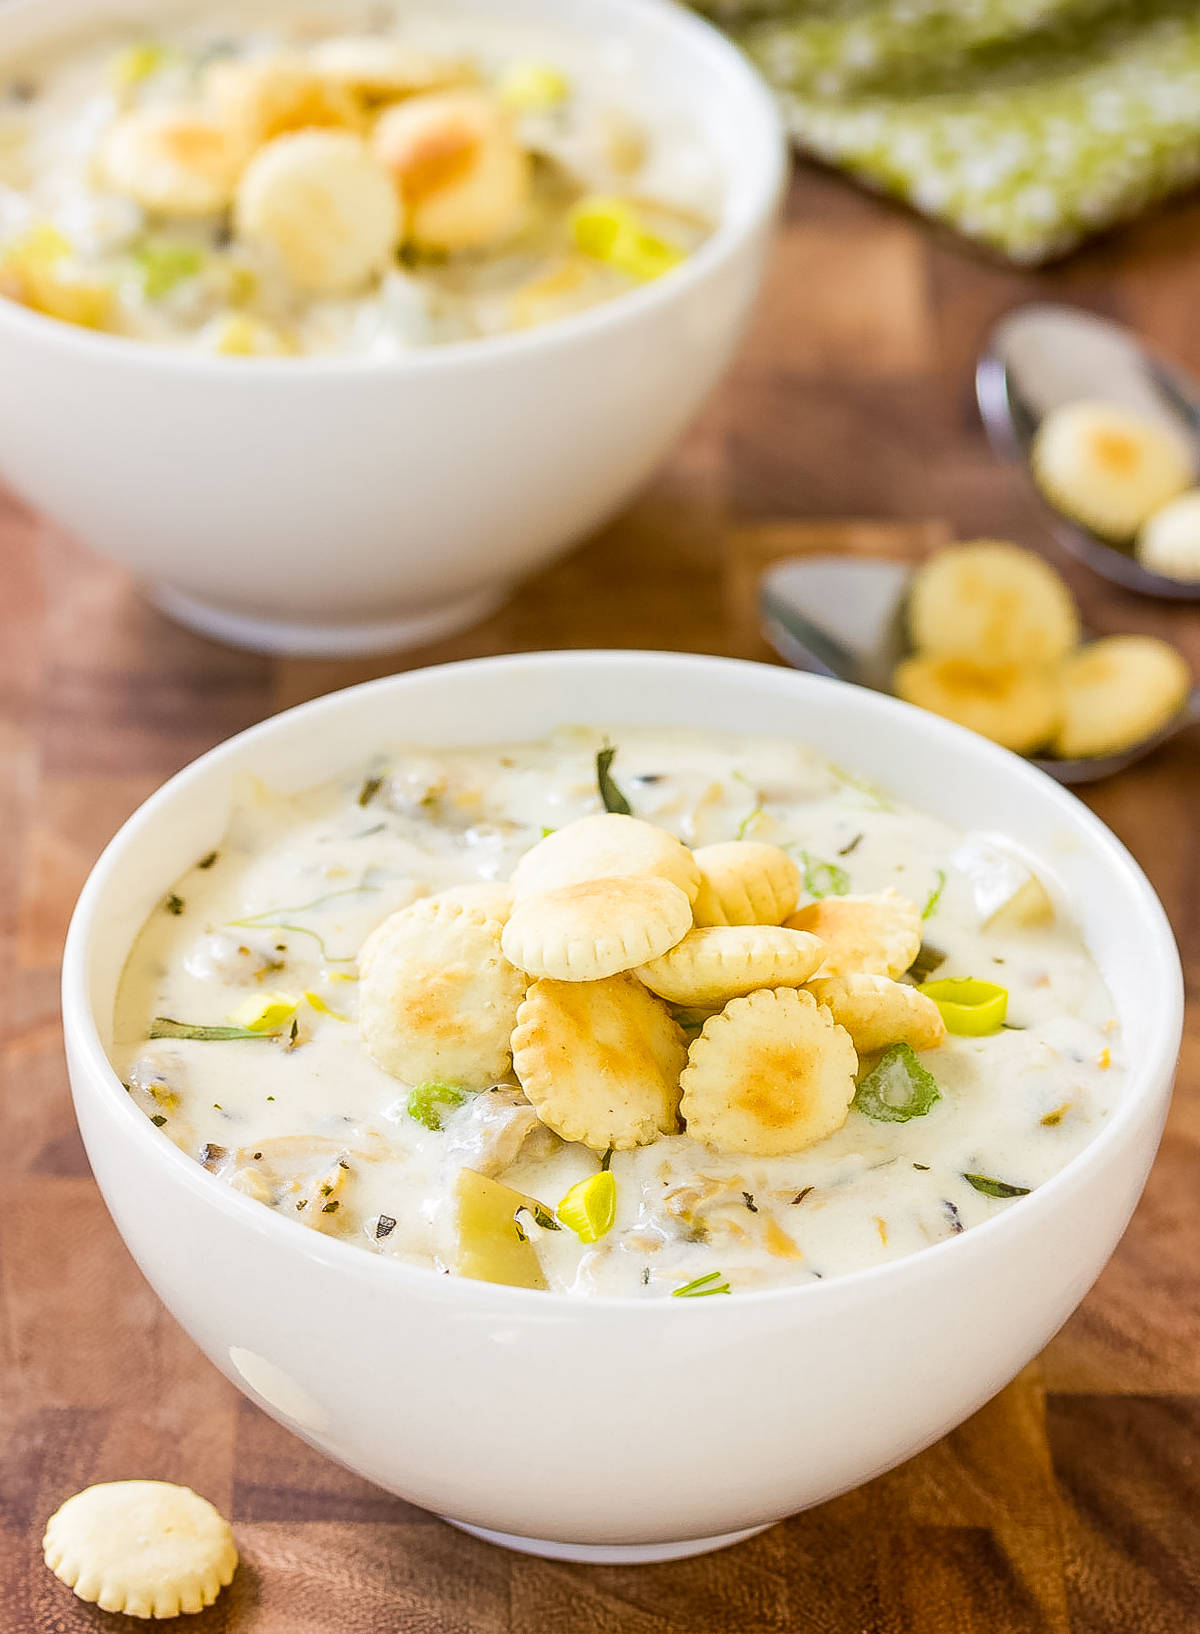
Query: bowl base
(608, 1554)
(296, 639)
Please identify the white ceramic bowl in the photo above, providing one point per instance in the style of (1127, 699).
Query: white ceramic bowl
(326, 505)
(614, 1428)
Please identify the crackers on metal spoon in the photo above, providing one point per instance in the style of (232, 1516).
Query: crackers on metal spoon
(146, 1548)
(600, 1061)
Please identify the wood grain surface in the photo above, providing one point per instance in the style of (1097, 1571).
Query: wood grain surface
(1071, 1504)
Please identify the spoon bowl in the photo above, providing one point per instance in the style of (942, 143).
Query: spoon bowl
(844, 617)
(1039, 358)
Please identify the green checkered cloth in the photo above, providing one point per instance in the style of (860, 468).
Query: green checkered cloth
(1024, 124)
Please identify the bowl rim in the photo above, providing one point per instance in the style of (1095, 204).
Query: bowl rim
(1153, 1071)
(755, 187)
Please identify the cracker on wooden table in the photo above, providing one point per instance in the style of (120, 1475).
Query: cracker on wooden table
(147, 1548)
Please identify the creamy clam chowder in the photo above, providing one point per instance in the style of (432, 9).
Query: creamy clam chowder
(343, 178)
(772, 1026)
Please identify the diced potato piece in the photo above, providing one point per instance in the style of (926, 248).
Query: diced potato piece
(491, 1244)
(1008, 896)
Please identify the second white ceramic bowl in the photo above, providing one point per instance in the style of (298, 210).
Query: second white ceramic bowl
(616, 1428)
(325, 505)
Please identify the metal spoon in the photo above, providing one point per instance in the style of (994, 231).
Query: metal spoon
(844, 617)
(1042, 356)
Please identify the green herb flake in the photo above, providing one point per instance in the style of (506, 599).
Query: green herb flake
(750, 818)
(823, 878)
(851, 845)
(610, 794)
(158, 1120)
(174, 904)
(331, 1207)
(384, 1226)
(166, 1027)
(606, 1161)
(430, 1104)
(645, 1276)
(701, 1287)
(804, 1192)
(165, 264)
(542, 1216)
(208, 860)
(995, 1188)
(897, 1088)
(935, 895)
(371, 787)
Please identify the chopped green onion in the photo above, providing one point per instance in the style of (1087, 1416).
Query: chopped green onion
(431, 1103)
(897, 1088)
(711, 1284)
(995, 1188)
(750, 817)
(532, 87)
(823, 878)
(264, 1012)
(164, 265)
(165, 1027)
(610, 794)
(136, 63)
(611, 230)
(970, 1008)
(590, 1206)
(935, 895)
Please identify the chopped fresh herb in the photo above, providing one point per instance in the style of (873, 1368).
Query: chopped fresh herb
(647, 777)
(270, 1097)
(995, 1188)
(165, 1027)
(208, 860)
(293, 1034)
(158, 1120)
(697, 1289)
(371, 787)
(384, 1226)
(645, 1276)
(748, 1198)
(935, 895)
(217, 1107)
(164, 264)
(264, 921)
(750, 817)
(610, 794)
(302, 1203)
(606, 1160)
(174, 904)
(541, 1215)
(928, 959)
(845, 850)
(897, 1088)
(954, 1217)
(802, 1194)
(1013, 1027)
(331, 1207)
(430, 1104)
(547, 831)
(924, 1167)
(823, 878)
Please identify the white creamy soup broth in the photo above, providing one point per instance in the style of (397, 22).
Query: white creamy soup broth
(657, 1014)
(339, 178)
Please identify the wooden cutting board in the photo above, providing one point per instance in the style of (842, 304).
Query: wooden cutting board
(1071, 1503)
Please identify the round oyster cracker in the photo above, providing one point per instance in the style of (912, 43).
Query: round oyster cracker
(436, 996)
(600, 1061)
